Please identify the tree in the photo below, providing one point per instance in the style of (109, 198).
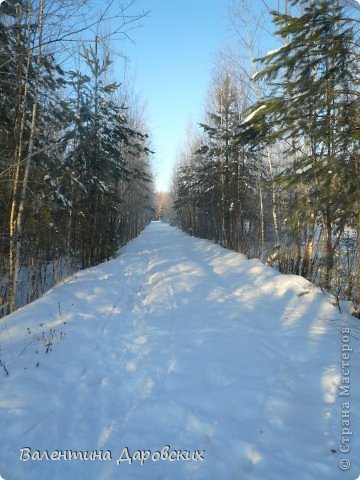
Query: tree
(217, 183)
(74, 172)
(312, 108)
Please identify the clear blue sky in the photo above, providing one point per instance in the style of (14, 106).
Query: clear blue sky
(172, 60)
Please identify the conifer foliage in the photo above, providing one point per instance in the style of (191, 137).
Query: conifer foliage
(305, 210)
(75, 180)
(311, 106)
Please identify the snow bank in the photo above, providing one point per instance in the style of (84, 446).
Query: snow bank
(178, 345)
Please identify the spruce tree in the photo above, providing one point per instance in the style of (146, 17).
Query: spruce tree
(311, 107)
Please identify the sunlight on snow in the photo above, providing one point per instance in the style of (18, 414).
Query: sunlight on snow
(252, 455)
(330, 382)
(106, 434)
(91, 295)
(203, 349)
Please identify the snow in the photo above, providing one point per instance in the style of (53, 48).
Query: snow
(181, 343)
(304, 169)
(58, 195)
(252, 114)
(277, 50)
(298, 95)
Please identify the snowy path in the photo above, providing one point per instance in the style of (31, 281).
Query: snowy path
(178, 342)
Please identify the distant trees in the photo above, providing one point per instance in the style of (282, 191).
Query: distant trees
(75, 180)
(213, 186)
(286, 169)
(163, 206)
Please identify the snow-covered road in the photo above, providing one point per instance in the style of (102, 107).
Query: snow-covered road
(178, 342)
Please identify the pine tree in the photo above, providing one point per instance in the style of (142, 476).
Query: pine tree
(235, 167)
(311, 108)
(102, 154)
(75, 177)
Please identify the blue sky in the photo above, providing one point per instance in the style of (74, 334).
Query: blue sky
(172, 60)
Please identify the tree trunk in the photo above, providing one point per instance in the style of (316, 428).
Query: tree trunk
(19, 129)
(19, 217)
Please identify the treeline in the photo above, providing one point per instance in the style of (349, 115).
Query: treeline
(274, 172)
(75, 182)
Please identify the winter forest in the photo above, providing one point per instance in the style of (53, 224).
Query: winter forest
(208, 330)
(274, 170)
(271, 170)
(75, 175)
